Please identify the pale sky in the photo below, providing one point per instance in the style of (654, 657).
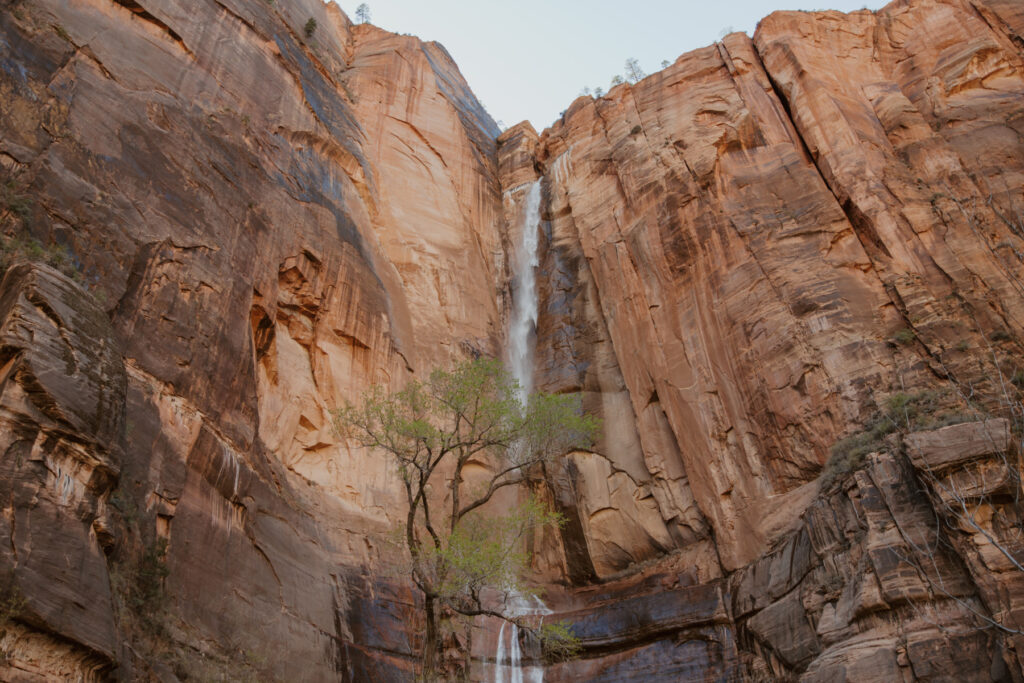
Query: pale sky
(528, 59)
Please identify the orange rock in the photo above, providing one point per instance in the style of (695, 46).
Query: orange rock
(743, 256)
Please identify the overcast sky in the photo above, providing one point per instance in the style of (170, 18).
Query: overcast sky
(529, 59)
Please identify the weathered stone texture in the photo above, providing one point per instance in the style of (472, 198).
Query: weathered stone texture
(273, 221)
(62, 392)
(743, 257)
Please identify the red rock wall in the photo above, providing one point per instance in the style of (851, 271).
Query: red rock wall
(272, 221)
(743, 255)
(763, 218)
(748, 252)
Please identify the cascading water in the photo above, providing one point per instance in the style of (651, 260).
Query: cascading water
(521, 340)
(513, 671)
(524, 296)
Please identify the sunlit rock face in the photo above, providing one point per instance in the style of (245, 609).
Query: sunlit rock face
(757, 237)
(748, 251)
(270, 221)
(740, 257)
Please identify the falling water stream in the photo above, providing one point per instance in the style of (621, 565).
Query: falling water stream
(508, 660)
(508, 665)
(521, 338)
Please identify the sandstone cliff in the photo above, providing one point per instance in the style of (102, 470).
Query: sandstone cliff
(747, 256)
(270, 221)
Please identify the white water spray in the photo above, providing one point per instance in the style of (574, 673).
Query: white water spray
(524, 293)
(513, 671)
(508, 663)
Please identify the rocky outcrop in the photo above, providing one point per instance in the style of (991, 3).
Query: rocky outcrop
(62, 393)
(753, 249)
(746, 257)
(273, 219)
(757, 240)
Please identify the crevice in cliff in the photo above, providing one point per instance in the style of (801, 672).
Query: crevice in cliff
(609, 163)
(872, 243)
(143, 14)
(998, 25)
(633, 642)
(936, 366)
(231, 13)
(478, 125)
(422, 138)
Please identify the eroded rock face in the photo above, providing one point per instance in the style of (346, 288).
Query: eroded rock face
(743, 256)
(62, 390)
(272, 229)
(753, 248)
(757, 238)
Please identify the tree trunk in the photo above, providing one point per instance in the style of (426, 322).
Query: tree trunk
(430, 642)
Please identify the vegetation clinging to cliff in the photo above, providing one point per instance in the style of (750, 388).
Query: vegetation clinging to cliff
(900, 412)
(433, 430)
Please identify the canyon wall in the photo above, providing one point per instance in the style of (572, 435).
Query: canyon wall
(746, 256)
(268, 220)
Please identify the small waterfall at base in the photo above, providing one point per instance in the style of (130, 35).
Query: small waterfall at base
(524, 296)
(521, 340)
(513, 671)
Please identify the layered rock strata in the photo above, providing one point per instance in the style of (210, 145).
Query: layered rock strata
(746, 256)
(755, 247)
(271, 219)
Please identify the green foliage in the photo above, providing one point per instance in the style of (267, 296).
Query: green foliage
(16, 209)
(363, 13)
(1001, 336)
(634, 74)
(558, 641)
(126, 505)
(148, 591)
(18, 247)
(471, 413)
(486, 552)
(900, 412)
(138, 584)
(13, 202)
(904, 336)
(310, 27)
(12, 600)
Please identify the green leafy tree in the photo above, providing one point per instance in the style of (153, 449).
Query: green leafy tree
(432, 430)
(363, 14)
(310, 27)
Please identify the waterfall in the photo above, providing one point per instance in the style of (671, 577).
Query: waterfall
(517, 605)
(524, 296)
(508, 665)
